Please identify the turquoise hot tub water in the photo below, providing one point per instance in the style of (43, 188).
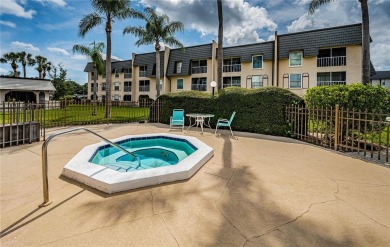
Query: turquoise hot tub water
(153, 152)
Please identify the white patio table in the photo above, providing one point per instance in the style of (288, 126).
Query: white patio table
(199, 120)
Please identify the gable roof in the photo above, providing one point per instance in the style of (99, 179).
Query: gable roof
(119, 65)
(311, 41)
(384, 74)
(25, 84)
(245, 52)
(190, 53)
(149, 60)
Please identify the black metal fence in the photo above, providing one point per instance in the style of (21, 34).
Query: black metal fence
(26, 122)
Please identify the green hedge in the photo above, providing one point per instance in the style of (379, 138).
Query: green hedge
(258, 110)
(357, 96)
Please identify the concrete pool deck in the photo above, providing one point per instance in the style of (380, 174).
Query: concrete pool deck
(255, 191)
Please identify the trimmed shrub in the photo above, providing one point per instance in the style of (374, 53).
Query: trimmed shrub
(258, 110)
(354, 96)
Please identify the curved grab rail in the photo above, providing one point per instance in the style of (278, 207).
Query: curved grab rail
(45, 163)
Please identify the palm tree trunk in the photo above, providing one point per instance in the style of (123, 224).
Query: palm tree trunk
(108, 67)
(220, 45)
(14, 67)
(24, 69)
(366, 63)
(94, 90)
(40, 73)
(158, 69)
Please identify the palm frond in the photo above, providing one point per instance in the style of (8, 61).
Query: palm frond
(172, 41)
(81, 49)
(136, 31)
(88, 22)
(314, 4)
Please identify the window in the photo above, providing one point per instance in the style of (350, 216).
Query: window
(257, 81)
(94, 87)
(383, 83)
(128, 72)
(295, 58)
(126, 97)
(116, 86)
(103, 86)
(231, 81)
(331, 78)
(179, 84)
(257, 62)
(116, 73)
(178, 67)
(144, 86)
(116, 97)
(103, 98)
(232, 65)
(295, 80)
(127, 86)
(198, 66)
(92, 74)
(199, 84)
(142, 71)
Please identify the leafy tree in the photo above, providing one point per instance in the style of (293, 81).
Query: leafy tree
(366, 63)
(108, 10)
(158, 29)
(220, 44)
(58, 76)
(25, 59)
(12, 58)
(47, 67)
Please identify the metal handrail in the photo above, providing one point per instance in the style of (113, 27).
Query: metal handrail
(45, 163)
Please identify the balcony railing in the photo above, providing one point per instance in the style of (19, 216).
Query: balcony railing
(128, 75)
(329, 83)
(144, 88)
(331, 61)
(199, 87)
(142, 74)
(127, 88)
(199, 70)
(232, 68)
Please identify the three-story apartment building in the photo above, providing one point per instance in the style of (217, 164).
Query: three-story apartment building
(295, 61)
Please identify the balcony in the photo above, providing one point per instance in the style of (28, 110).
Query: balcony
(232, 68)
(329, 83)
(331, 61)
(199, 87)
(142, 74)
(144, 88)
(127, 88)
(199, 70)
(128, 75)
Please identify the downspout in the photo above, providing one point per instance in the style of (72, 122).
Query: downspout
(276, 61)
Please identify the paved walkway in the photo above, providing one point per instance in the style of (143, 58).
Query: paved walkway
(253, 192)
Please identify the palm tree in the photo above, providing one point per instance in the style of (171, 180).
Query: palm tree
(46, 67)
(41, 64)
(366, 62)
(220, 43)
(11, 57)
(108, 10)
(25, 58)
(95, 55)
(158, 29)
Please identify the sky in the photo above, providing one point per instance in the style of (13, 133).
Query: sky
(50, 27)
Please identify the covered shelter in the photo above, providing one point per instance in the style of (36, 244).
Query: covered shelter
(25, 89)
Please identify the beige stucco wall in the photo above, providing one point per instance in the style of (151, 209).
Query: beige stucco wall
(247, 70)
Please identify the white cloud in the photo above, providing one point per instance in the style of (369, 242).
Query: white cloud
(58, 50)
(59, 3)
(3, 71)
(381, 54)
(8, 24)
(79, 57)
(112, 57)
(11, 7)
(242, 21)
(17, 45)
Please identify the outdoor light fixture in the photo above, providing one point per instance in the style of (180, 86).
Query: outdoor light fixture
(213, 84)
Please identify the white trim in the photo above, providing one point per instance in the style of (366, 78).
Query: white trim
(289, 61)
(289, 81)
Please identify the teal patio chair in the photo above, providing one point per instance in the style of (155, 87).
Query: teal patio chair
(225, 123)
(177, 119)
